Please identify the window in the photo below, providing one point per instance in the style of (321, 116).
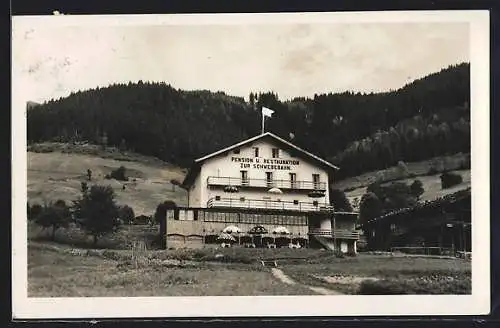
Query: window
(244, 178)
(393, 227)
(242, 199)
(295, 202)
(316, 181)
(293, 180)
(256, 151)
(269, 179)
(236, 151)
(276, 152)
(217, 197)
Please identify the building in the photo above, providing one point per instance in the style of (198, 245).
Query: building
(269, 191)
(439, 226)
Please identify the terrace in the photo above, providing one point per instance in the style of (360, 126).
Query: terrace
(337, 233)
(220, 202)
(264, 183)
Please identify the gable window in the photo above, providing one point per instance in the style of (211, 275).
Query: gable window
(315, 181)
(276, 152)
(269, 179)
(236, 151)
(256, 151)
(244, 178)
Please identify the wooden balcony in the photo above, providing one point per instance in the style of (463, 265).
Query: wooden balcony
(268, 204)
(337, 233)
(263, 183)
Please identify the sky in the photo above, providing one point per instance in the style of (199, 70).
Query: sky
(292, 60)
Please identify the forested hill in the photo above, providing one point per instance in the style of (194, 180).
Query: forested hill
(358, 132)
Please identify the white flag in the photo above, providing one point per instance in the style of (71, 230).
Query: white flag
(267, 112)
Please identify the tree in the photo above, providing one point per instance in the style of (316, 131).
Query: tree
(55, 216)
(339, 201)
(126, 214)
(96, 212)
(160, 217)
(417, 189)
(370, 207)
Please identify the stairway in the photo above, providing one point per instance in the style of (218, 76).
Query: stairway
(325, 241)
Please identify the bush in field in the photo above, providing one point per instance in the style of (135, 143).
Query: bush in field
(126, 214)
(450, 179)
(118, 174)
(96, 212)
(55, 216)
(417, 189)
(34, 211)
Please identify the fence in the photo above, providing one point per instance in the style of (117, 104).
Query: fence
(425, 250)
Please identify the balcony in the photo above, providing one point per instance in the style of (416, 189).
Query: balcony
(263, 183)
(337, 233)
(268, 204)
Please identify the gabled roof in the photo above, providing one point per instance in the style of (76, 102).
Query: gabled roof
(193, 172)
(438, 204)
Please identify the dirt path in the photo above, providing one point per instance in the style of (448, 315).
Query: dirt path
(280, 275)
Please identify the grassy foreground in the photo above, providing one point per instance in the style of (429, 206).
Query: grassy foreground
(55, 270)
(54, 273)
(374, 275)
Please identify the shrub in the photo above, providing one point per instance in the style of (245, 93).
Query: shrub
(417, 188)
(449, 179)
(118, 174)
(126, 214)
(34, 211)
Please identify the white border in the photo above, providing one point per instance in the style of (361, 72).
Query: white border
(65, 308)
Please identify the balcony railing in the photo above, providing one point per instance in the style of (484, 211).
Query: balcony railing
(337, 233)
(264, 183)
(268, 204)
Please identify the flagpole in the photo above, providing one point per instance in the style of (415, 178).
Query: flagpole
(262, 123)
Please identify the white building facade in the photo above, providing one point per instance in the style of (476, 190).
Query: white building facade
(266, 174)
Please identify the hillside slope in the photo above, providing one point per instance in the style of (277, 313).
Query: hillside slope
(358, 132)
(57, 175)
(355, 187)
